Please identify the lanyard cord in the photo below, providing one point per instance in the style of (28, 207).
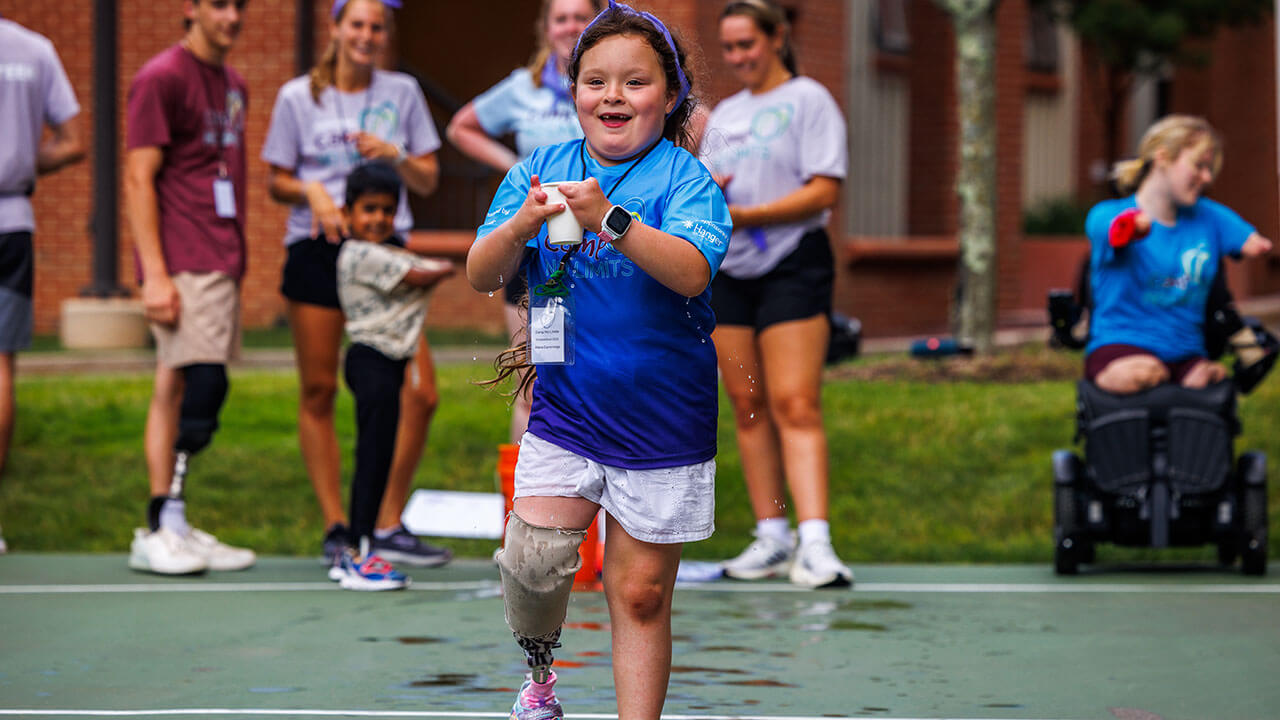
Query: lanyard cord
(368, 101)
(582, 155)
(221, 121)
(555, 286)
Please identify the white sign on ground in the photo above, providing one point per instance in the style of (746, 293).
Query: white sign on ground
(449, 513)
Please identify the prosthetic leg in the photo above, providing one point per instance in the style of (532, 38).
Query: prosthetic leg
(204, 390)
(537, 566)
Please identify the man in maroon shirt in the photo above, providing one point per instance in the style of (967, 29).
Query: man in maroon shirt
(185, 199)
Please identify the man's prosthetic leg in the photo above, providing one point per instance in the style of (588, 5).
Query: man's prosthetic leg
(204, 390)
(537, 566)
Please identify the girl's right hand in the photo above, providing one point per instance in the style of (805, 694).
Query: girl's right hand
(326, 218)
(533, 212)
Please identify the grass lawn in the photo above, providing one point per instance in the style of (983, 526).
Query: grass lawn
(925, 467)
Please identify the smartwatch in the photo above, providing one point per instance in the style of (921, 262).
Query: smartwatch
(615, 224)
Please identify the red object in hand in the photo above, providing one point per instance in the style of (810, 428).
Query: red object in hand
(1124, 229)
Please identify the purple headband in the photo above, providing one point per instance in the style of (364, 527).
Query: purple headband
(339, 4)
(613, 5)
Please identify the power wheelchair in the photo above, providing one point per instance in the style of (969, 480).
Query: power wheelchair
(1159, 467)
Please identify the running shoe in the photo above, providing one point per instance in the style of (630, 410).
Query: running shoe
(537, 702)
(219, 555)
(4, 548)
(404, 547)
(337, 541)
(164, 552)
(765, 557)
(816, 566)
(370, 573)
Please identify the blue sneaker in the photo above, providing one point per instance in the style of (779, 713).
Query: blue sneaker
(370, 573)
(537, 702)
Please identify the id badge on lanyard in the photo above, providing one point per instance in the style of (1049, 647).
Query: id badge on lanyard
(224, 194)
(551, 329)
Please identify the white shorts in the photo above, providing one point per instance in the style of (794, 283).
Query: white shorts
(664, 505)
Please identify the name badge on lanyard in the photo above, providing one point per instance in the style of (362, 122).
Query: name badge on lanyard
(224, 195)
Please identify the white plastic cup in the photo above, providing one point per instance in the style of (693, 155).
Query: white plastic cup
(562, 228)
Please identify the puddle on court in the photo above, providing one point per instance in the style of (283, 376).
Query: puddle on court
(762, 682)
(446, 680)
(406, 640)
(676, 669)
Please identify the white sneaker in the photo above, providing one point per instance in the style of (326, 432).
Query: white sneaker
(816, 566)
(219, 555)
(766, 557)
(164, 552)
(4, 548)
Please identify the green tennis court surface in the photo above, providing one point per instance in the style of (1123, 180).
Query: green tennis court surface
(82, 636)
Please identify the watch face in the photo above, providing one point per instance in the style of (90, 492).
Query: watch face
(618, 220)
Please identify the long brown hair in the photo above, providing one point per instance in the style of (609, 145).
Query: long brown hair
(323, 73)
(542, 52)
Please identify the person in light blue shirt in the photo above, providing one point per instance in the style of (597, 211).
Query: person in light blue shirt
(534, 105)
(625, 403)
(1154, 255)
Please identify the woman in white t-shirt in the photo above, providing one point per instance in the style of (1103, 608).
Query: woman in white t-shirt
(778, 148)
(533, 103)
(342, 114)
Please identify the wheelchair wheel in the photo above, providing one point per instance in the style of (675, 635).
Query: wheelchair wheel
(1067, 550)
(1253, 548)
(1254, 536)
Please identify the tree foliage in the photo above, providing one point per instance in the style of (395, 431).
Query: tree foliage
(1130, 38)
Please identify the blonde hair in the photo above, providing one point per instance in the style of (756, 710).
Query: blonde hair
(542, 53)
(323, 73)
(1172, 134)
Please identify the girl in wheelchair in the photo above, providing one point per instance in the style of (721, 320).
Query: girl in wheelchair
(1154, 255)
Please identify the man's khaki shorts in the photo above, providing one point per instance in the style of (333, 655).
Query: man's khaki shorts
(208, 329)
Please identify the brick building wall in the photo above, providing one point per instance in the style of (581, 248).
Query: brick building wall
(895, 285)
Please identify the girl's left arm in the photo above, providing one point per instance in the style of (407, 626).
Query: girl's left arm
(670, 260)
(818, 194)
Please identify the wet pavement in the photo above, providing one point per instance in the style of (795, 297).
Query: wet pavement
(82, 633)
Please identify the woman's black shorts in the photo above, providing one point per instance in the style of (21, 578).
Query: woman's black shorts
(311, 272)
(798, 287)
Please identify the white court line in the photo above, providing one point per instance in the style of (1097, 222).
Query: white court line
(922, 588)
(396, 714)
(226, 587)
